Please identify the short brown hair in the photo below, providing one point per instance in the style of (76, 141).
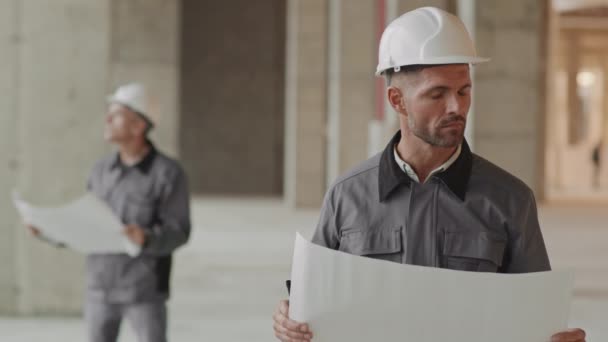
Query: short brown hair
(408, 69)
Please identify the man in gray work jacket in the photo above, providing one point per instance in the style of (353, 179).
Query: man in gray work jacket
(426, 199)
(148, 192)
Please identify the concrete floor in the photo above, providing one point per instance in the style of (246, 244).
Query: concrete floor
(229, 277)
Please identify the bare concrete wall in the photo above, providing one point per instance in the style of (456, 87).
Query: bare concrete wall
(232, 90)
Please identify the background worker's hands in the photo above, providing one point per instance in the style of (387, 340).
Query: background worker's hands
(136, 234)
(570, 335)
(287, 330)
(33, 230)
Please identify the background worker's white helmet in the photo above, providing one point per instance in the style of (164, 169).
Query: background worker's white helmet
(138, 99)
(426, 35)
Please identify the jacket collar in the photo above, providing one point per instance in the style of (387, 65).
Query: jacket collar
(143, 165)
(390, 175)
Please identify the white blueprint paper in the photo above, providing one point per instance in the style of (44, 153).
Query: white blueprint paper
(86, 225)
(350, 298)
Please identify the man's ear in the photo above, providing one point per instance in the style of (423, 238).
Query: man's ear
(396, 99)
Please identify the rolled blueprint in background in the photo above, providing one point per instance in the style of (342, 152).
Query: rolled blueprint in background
(86, 225)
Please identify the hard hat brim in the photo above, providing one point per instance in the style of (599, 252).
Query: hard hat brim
(435, 61)
(113, 99)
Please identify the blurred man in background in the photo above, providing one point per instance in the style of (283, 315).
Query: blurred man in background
(149, 193)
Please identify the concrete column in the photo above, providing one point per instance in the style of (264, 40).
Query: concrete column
(9, 11)
(145, 47)
(509, 93)
(604, 66)
(466, 12)
(59, 83)
(353, 74)
(575, 121)
(305, 102)
(550, 172)
(603, 84)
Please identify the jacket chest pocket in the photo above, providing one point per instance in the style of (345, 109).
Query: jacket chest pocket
(477, 252)
(384, 244)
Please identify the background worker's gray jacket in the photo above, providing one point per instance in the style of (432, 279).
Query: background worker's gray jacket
(474, 216)
(154, 195)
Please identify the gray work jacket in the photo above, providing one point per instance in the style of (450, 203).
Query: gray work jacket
(154, 195)
(472, 217)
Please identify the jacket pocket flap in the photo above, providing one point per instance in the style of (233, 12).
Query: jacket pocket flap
(482, 246)
(370, 242)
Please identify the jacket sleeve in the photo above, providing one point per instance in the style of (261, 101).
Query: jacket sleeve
(526, 251)
(326, 233)
(172, 229)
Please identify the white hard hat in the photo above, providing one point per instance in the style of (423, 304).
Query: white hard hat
(137, 98)
(426, 35)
